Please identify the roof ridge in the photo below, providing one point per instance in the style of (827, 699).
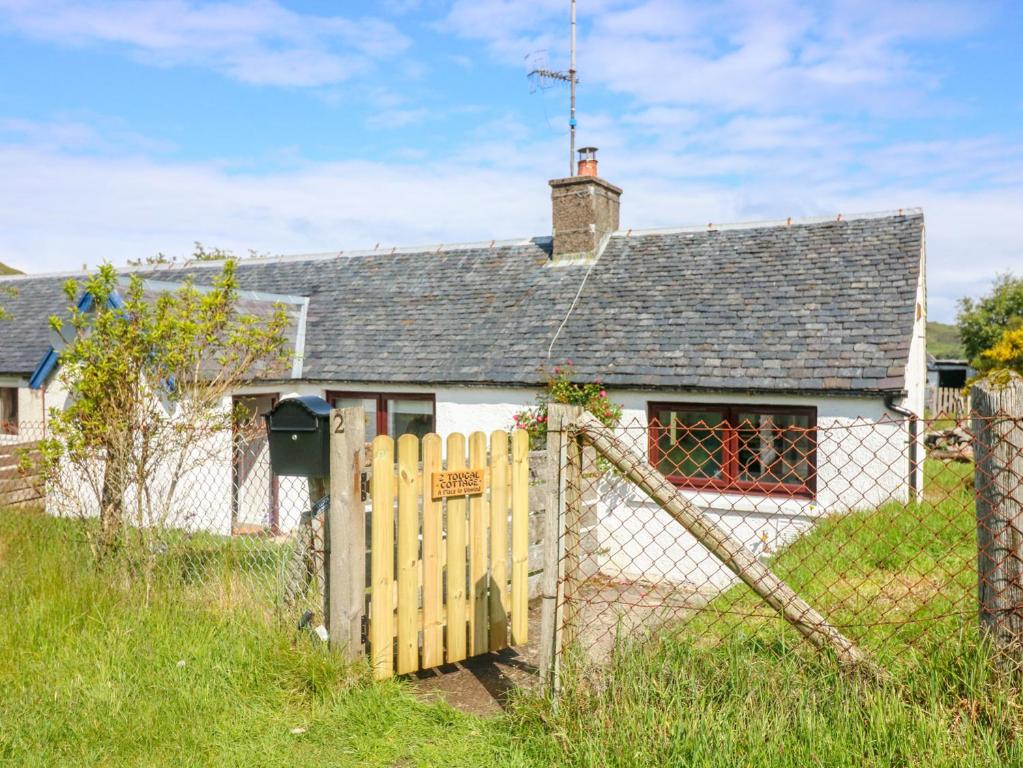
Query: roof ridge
(771, 223)
(290, 257)
(468, 245)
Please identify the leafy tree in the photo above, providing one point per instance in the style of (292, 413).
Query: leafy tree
(149, 380)
(982, 323)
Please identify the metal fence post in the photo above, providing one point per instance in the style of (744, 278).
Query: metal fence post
(346, 532)
(998, 481)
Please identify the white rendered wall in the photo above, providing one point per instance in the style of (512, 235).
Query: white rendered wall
(860, 464)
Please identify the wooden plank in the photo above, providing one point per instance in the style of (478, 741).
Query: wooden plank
(433, 561)
(382, 563)
(21, 484)
(572, 478)
(13, 498)
(500, 600)
(408, 554)
(478, 551)
(520, 536)
(8, 472)
(346, 533)
(552, 607)
(456, 557)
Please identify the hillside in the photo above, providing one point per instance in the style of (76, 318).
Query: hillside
(943, 341)
(5, 270)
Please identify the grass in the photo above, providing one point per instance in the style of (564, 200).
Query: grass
(736, 686)
(943, 341)
(93, 673)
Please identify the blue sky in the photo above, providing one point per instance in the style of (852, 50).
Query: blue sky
(128, 128)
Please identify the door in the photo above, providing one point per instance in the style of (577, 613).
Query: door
(254, 487)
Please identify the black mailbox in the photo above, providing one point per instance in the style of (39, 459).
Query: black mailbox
(298, 430)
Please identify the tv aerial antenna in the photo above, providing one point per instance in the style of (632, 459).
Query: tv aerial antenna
(544, 78)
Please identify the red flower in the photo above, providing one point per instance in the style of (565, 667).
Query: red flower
(603, 393)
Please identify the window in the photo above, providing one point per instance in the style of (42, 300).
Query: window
(760, 449)
(9, 410)
(390, 414)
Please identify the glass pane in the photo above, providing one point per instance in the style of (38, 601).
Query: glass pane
(369, 405)
(409, 417)
(775, 447)
(689, 443)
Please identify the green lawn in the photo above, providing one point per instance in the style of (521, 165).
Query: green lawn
(92, 673)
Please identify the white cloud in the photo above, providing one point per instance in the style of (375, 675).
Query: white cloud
(738, 54)
(254, 41)
(70, 208)
(391, 119)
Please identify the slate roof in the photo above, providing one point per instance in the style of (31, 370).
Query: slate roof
(821, 306)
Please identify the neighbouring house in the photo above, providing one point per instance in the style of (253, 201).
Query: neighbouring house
(783, 328)
(946, 380)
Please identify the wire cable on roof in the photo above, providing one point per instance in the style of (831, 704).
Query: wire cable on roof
(579, 293)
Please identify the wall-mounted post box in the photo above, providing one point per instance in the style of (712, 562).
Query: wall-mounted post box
(298, 430)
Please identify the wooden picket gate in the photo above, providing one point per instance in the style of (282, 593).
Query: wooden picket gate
(440, 588)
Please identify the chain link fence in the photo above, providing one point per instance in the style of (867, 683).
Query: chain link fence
(225, 527)
(872, 523)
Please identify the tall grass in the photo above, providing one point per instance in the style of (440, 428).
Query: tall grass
(734, 685)
(195, 673)
(93, 673)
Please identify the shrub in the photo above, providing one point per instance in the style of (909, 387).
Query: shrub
(562, 388)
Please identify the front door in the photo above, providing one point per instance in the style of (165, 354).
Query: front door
(254, 486)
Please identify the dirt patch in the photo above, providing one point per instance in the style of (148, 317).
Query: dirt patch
(608, 609)
(481, 685)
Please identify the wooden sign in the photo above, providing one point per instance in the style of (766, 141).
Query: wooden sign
(464, 482)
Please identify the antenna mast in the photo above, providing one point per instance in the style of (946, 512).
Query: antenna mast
(544, 75)
(571, 89)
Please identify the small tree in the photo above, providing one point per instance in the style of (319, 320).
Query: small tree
(562, 389)
(982, 322)
(149, 379)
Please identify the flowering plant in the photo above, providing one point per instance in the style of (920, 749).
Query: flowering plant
(562, 389)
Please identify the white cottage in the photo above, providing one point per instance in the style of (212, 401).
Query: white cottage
(806, 324)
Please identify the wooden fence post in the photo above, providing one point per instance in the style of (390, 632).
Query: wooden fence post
(555, 517)
(346, 532)
(998, 481)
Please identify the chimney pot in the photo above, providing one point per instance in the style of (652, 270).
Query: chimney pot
(587, 161)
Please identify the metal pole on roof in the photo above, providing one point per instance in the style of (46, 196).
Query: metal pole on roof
(571, 88)
(541, 76)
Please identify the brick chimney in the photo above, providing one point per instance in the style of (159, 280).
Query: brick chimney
(585, 211)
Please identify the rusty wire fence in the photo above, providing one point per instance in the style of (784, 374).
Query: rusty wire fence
(872, 522)
(215, 519)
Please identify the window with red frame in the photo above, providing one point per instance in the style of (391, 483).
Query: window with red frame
(744, 448)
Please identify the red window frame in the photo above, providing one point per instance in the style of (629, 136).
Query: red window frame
(382, 398)
(729, 480)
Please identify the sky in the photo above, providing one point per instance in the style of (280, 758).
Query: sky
(132, 128)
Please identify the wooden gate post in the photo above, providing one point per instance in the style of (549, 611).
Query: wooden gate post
(554, 544)
(998, 481)
(346, 532)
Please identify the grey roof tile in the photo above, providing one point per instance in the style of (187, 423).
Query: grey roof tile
(805, 307)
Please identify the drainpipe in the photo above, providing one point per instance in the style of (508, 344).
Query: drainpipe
(889, 403)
